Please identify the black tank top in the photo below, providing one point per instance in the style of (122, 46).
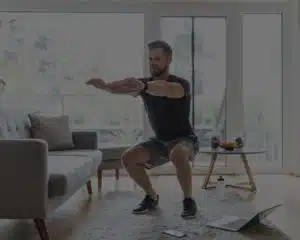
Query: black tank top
(169, 117)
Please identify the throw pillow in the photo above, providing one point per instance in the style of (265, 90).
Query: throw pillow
(55, 130)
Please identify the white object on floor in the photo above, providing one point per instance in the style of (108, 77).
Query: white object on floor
(174, 233)
(235, 223)
(220, 188)
(204, 202)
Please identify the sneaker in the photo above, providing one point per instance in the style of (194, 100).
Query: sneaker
(148, 204)
(189, 208)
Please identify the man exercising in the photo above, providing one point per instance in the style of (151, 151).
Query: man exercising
(167, 102)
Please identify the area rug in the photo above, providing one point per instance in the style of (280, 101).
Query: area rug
(113, 219)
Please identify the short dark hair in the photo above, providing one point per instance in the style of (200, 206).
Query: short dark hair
(167, 49)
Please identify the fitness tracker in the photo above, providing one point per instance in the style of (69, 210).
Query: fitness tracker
(145, 87)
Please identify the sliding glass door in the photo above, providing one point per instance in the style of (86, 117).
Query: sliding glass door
(199, 45)
(235, 61)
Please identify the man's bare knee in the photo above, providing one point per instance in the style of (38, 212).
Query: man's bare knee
(135, 156)
(180, 155)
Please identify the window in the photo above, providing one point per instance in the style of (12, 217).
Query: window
(199, 45)
(210, 77)
(47, 57)
(233, 54)
(262, 84)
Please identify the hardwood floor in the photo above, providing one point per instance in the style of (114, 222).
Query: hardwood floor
(68, 220)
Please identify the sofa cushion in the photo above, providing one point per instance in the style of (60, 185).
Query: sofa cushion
(68, 173)
(95, 155)
(112, 152)
(55, 130)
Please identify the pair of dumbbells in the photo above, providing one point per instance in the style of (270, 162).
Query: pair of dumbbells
(237, 143)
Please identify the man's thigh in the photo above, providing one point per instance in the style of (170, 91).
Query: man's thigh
(158, 152)
(191, 143)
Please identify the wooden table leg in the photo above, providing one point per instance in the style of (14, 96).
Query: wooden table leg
(99, 177)
(213, 159)
(117, 173)
(250, 182)
(249, 172)
(89, 187)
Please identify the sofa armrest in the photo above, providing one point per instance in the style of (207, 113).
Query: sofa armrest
(85, 139)
(23, 179)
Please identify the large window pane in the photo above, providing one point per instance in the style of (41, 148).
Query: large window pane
(210, 77)
(199, 46)
(34, 103)
(117, 120)
(53, 54)
(262, 84)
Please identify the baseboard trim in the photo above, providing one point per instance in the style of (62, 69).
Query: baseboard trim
(293, 174)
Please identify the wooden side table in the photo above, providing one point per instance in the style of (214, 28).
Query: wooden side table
(243, 152)
(111, 160)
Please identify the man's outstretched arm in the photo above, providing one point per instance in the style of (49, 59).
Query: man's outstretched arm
(167, 89)
(134, 86)
(124, 86)
(160, 88)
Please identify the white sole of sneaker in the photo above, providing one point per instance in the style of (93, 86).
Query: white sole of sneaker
(189, 217)
(145, 211)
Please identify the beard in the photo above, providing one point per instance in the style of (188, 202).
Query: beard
(159, 72)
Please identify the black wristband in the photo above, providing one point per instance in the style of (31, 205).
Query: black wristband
(145, 87)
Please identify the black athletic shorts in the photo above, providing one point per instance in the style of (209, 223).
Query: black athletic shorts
(160, 150)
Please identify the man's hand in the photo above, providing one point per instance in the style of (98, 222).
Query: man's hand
(96, 82)
(130, 86)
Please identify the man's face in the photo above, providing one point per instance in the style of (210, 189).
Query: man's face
(159, 62)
